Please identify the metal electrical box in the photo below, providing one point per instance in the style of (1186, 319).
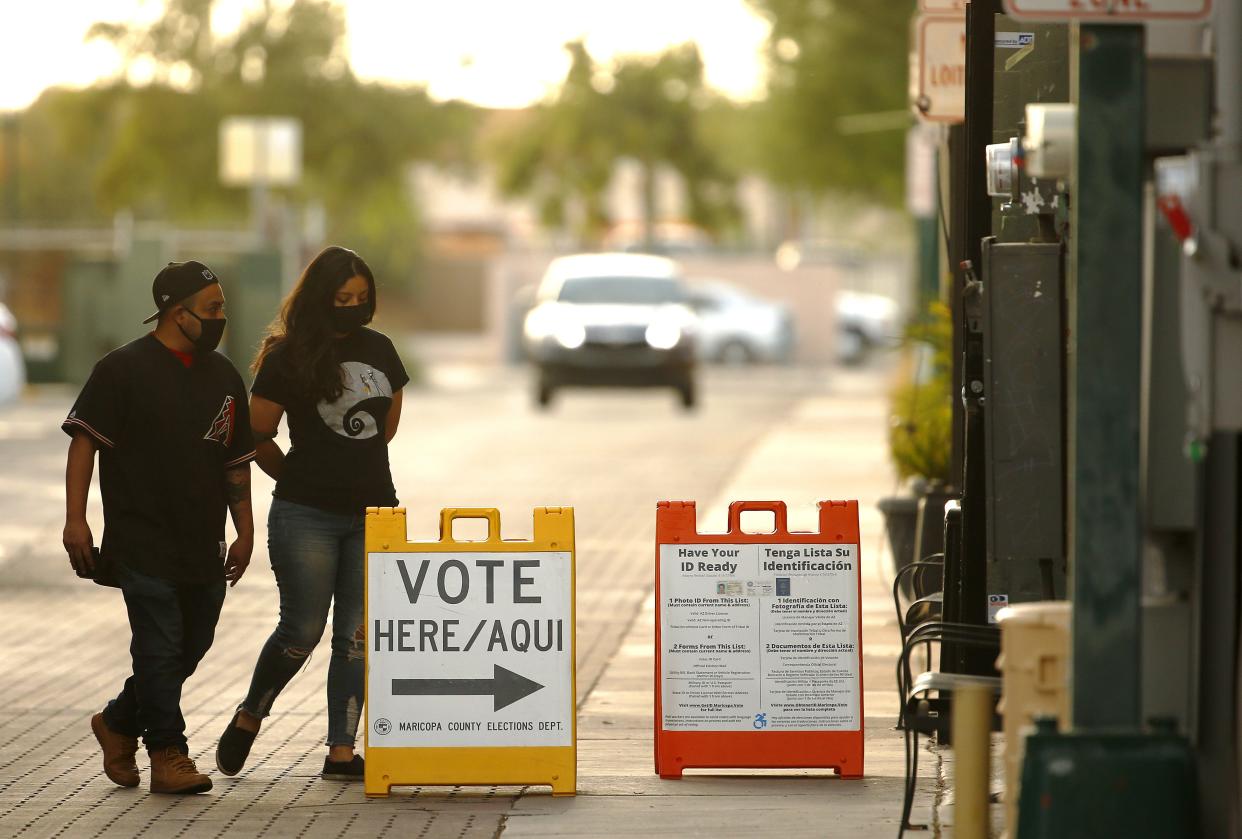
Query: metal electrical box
(1024, 338)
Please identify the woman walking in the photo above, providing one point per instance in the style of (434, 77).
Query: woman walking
(339, 384)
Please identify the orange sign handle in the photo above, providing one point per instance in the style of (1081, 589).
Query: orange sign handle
(776, 508)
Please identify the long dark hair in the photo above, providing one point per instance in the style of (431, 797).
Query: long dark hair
(304, 326)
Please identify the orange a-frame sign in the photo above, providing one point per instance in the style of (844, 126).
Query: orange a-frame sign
(758, 651)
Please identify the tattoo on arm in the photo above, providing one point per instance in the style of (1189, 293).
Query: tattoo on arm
(237, 485)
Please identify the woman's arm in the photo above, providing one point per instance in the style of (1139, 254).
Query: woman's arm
(264, 422)
(394, 418)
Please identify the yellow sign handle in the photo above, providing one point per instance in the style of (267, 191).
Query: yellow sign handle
(449, 514)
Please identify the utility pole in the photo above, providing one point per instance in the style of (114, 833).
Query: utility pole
(976, 224)
(1105, 323)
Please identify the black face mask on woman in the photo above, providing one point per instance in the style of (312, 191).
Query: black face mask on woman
(210, 332)
(347, 319)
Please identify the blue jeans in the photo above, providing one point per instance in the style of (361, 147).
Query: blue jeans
(173, 625)
(317, 557)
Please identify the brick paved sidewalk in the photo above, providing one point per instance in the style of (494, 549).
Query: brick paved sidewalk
(65, 642)
(831, 446)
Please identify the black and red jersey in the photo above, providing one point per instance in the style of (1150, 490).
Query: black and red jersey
(166, 433)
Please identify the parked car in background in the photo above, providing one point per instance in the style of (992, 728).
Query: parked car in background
(837, 253)
(737, 327)
(668, 238)
(12, 367)
(864, 323)
(612, 320)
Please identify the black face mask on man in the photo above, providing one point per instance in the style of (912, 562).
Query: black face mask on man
(347, 319)
(210, 332)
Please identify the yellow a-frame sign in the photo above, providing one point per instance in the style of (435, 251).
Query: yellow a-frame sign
(470, 654)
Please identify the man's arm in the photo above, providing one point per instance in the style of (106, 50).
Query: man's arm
(77, 535)
(237, 491)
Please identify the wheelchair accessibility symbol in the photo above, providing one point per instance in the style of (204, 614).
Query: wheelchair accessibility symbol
(761, 721)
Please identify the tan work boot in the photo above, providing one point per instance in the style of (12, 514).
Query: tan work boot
(173, 772)
(118, 753)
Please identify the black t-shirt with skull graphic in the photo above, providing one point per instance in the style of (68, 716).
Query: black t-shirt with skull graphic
(338, 455)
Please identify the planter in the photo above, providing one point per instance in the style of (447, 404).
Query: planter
(900, 521)
(915, 526)
(929, 531)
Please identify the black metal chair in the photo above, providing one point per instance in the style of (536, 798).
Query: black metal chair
(927, 608)
(955, 622)
(924, 592)
(915, 613)
(922, 713)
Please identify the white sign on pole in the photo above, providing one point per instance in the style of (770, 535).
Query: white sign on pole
(940, 47)
(1109, 11)
(759, 637)
(922, 142)
(470, 649)
(262, 151)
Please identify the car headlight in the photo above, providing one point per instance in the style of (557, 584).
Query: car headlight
(570, 335)
(539, 323)
(663, 335)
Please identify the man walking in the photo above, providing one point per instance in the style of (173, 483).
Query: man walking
(169, 418)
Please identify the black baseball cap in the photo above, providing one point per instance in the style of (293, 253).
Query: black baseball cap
(177, 281)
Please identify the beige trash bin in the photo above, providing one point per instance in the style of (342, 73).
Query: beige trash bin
(1034, 666)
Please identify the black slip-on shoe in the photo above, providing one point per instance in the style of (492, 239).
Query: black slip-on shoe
(345, 770)
(234, 748)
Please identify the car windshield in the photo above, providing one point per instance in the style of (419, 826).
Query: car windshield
(642, 291)
(719, 296)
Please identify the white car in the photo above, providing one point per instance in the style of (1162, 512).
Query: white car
(865, 322)
(612, 320)
(736, 327)
(12, 367)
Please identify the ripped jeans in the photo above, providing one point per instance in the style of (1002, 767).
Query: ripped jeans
(317, 557)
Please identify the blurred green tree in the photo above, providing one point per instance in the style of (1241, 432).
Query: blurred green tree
(830, 59)
(61, 141)
(152, 147)
(920, 434)
(647, 109)
(656, 106)
(562, 153)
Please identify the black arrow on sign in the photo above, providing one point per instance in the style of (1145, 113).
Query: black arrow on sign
(505, 687)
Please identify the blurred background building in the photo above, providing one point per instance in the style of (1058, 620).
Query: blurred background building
(456, 159)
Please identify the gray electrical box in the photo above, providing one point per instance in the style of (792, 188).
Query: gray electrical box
(1169, 485)
(1024, 338)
